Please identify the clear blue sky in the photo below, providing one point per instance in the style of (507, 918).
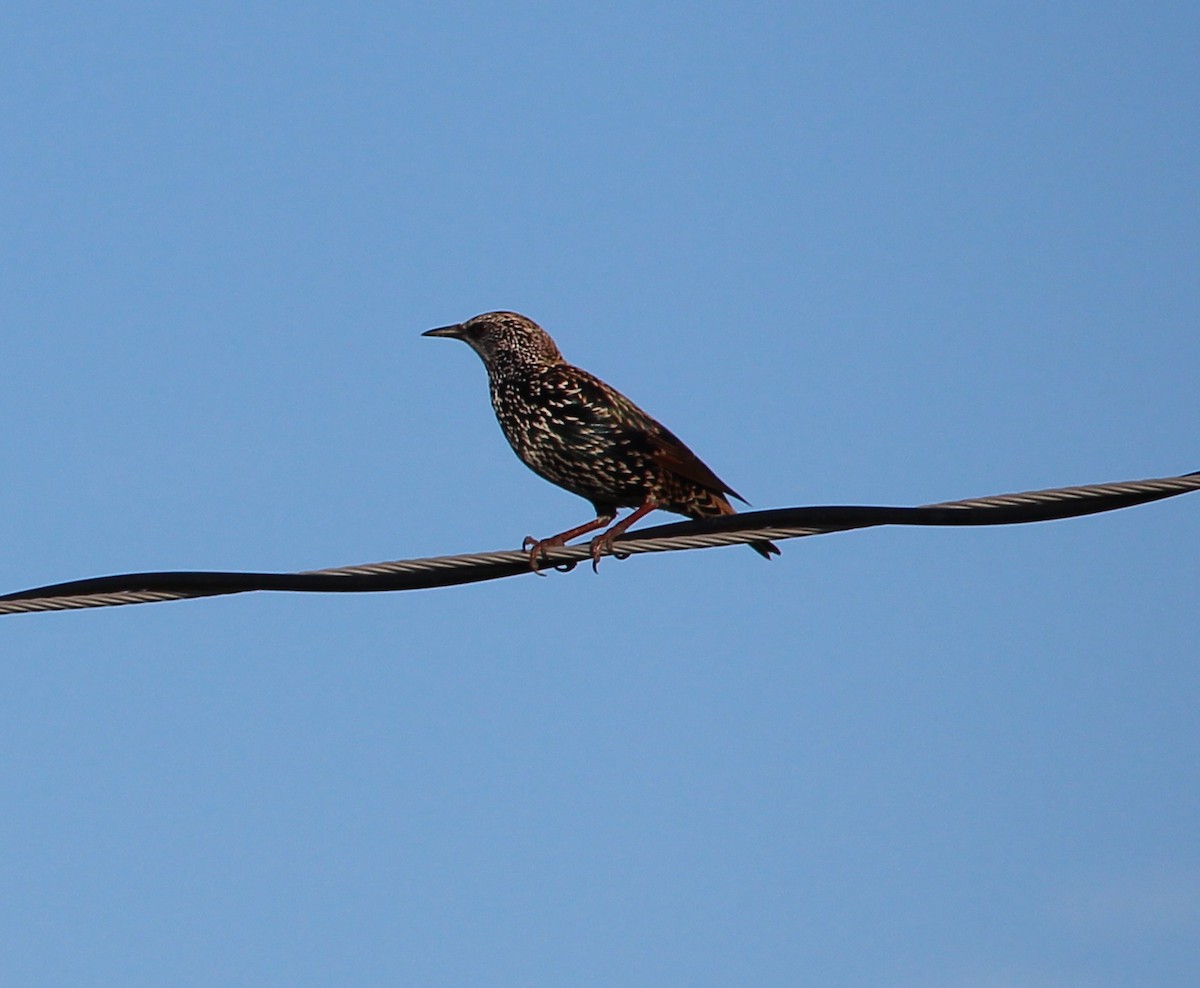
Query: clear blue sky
(851, 253)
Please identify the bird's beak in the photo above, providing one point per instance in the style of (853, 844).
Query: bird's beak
(454, 332)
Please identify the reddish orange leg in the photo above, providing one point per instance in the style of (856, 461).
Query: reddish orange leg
(603, 542)
(537, 547)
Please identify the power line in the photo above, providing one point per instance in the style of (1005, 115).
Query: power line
(750, 526)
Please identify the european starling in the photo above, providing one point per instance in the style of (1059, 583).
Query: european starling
(573, 429)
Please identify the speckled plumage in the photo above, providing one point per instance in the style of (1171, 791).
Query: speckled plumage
(574, 430)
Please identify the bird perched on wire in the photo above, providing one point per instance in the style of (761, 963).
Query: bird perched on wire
(573, 429)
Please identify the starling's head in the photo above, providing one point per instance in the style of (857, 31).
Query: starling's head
(505, 340)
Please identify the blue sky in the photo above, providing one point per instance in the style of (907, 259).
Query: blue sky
(851, 253)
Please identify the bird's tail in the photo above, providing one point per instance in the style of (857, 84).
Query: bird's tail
(719, 505)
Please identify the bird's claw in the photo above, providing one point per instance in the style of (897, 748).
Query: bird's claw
(536, 550)
(602, 545)
(537, 555)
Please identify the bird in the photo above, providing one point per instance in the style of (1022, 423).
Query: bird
(583, 435)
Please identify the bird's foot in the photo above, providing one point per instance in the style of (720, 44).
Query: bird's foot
(537, 554)
(602, 545)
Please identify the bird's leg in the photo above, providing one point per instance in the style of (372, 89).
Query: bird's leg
(537, 547)
(602, 543)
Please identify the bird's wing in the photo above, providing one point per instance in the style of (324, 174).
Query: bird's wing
(669, 451)
(672, 453)
(600, 407)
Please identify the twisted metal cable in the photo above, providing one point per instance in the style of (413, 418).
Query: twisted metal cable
(750, 526)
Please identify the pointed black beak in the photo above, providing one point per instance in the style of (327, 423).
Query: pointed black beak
(454, 332)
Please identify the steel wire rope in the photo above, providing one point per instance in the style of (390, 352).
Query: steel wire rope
(750, 526)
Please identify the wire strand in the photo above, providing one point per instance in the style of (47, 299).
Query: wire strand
(750, 526)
